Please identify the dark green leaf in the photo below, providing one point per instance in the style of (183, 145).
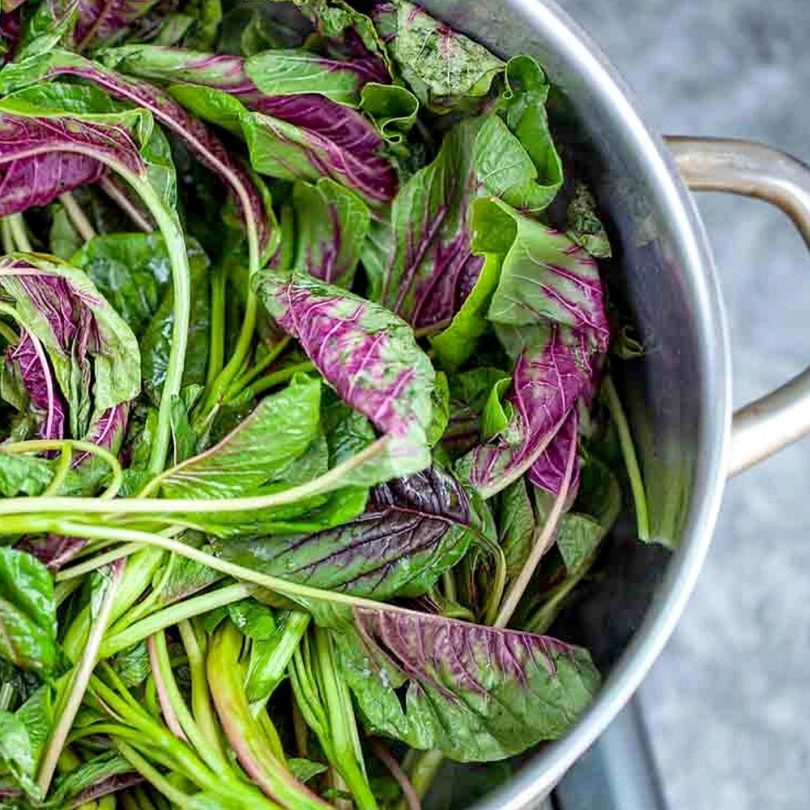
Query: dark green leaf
(445, 69)
(473, 692)
(27, 612)
(156, 339)
(245, 460)
(17, 755)
(413, 529)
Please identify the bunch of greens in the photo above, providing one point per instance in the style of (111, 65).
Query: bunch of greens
(307, 428)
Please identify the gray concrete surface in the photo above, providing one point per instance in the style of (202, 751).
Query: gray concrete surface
(728, 704)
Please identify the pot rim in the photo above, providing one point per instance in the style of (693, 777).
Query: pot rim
(543, 771)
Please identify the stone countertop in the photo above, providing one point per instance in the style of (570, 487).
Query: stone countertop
(728, 702)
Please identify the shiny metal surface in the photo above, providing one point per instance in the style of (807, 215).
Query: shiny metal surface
(678, 394)
(774, 421)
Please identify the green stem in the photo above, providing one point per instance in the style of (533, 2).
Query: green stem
(140, 571)
(157, 507)
(173, 614)
(152, 775)
(78, 684)
(241, 728)
(348, 754)
(216, 340)
(541, 542)
(181, 292)
(423, 770)
(109, 187)
(6, 696)
(19, 233)
(77, 217)
(64, 589)
(41, 445)
(276, 378)
(273, 669)
(8, 334)
(240, 353)
(200, 696)
(449, 585)
(245, 379)
(496, 588)
(294, 591)
(99, 561)
(146, 605)
(60, 471)
(6, 236)
(210, 754)
(614, 405)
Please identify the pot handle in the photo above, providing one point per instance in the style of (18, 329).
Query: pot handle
(768, 424)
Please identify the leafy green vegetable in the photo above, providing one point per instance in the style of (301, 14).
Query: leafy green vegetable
(470, 691)
(307, 428)
(27, 613)
(16, 754)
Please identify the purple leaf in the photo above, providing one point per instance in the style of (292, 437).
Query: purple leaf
(53, 551)
(329, 138)
(100, 21)
(544, 274)
(108, 430)
(29, 361)
(433, 268)
(548, 380)
(367, 354)
(475, 693)
(211, 152)
(41, 158)
(413, 529)
(548, 472)
(93, 353)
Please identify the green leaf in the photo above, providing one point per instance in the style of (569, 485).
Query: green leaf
(433, 266)
(251, 26)
(23, 475)
(93, 352)
(37, 714)
(516, 525)
(525, 113)
(331, 227)
(441, 409)
(27, 613)
(132, 665)
(305, 769)
(412, 530)
(101, 767)
(445, 69)
(256, 621)
(392, 108)
(63, 238)
(584, 225)
(475, 693)
(544, 274)
(16, 754)
(498, 413)
(132, 271)
(455, 345)
(291, 72)
(156, 338)
(244, 461)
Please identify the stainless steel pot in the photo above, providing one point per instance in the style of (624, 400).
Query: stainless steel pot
(679, 393)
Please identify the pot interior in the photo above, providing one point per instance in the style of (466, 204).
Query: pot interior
(676, 394)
